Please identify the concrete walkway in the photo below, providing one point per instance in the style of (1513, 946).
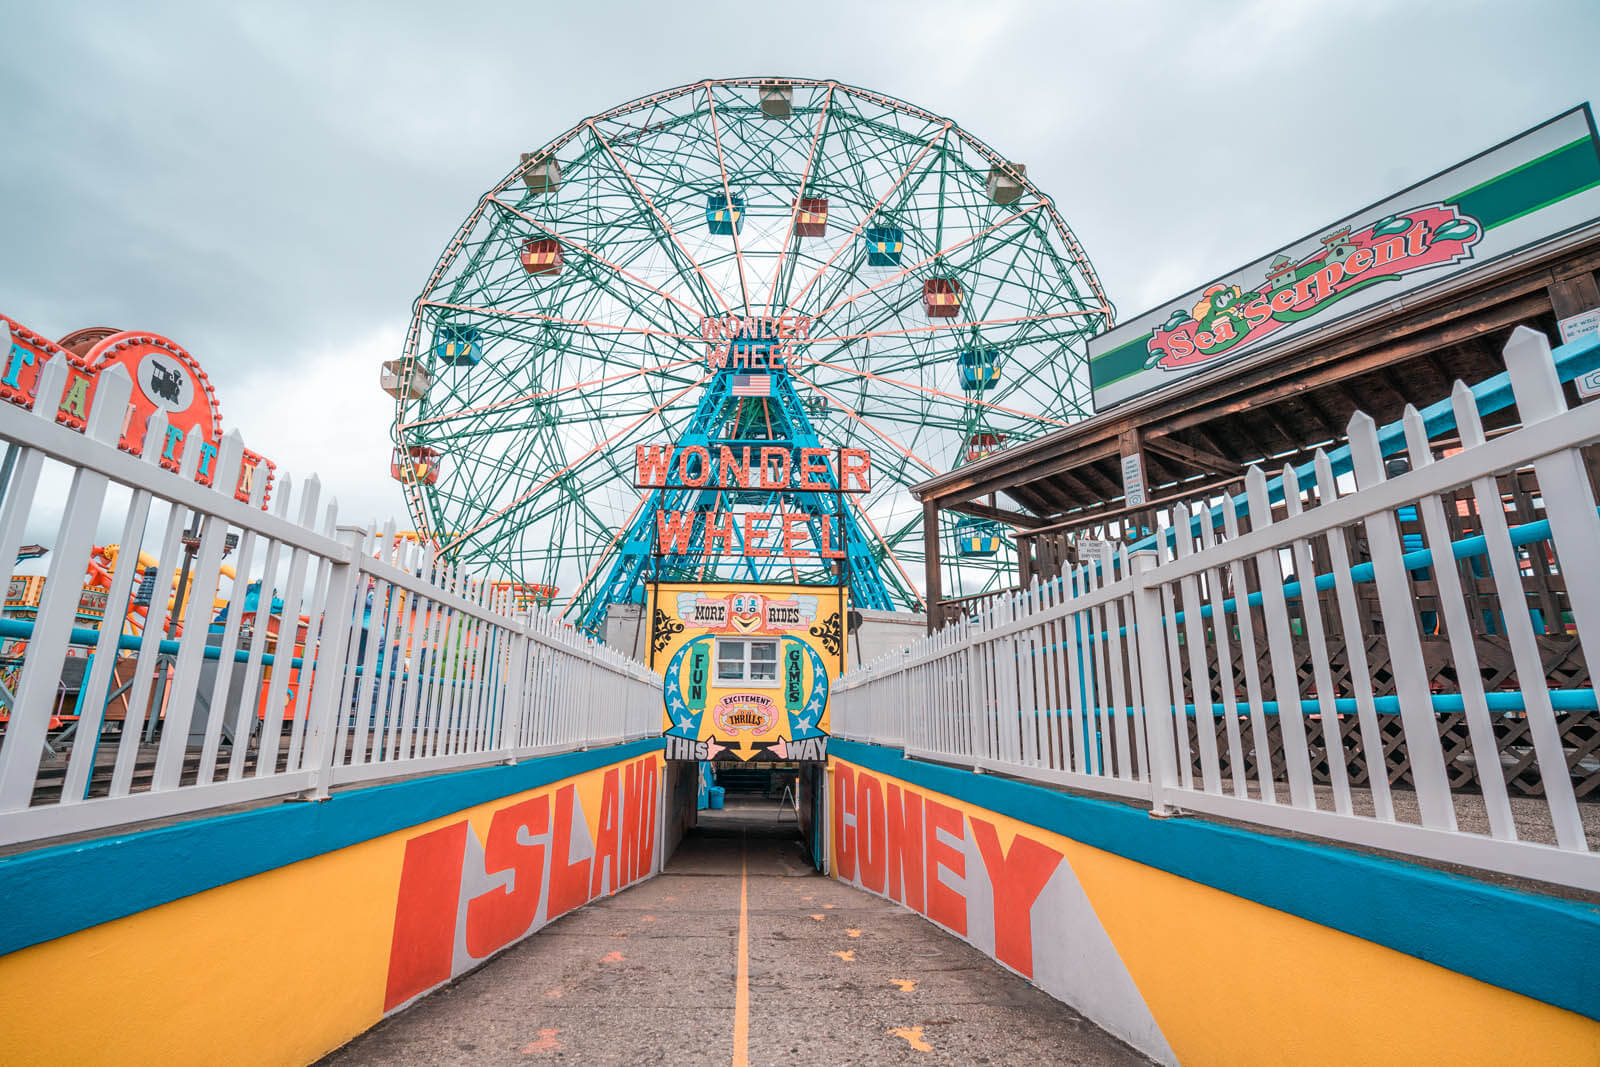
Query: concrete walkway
(653, 975)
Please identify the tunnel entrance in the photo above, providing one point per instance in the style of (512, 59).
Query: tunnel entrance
(725, 807)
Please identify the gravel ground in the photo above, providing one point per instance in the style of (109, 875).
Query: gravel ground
(836, 976)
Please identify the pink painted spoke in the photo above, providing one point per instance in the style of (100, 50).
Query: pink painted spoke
(885, 543)
(515, 400)
(959, 397)
(651, 204)
(600, 559)
(930, 259)
(727, 198)
(794, 214)
(530, 494)
(844, 409)
(956, 325)
(597, 257)
(501, 313)
(912, 166)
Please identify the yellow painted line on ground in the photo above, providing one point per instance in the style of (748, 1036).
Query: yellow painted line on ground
(741, 990)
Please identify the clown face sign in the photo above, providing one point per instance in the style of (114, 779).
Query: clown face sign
(746, 668)
(747, 612)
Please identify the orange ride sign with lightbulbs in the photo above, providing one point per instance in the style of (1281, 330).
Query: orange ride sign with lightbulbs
(746, 668)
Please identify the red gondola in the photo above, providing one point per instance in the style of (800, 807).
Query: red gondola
(812, 218)
(423, 468)
(941, 298)
(541, 256)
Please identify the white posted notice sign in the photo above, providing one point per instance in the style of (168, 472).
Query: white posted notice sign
(1581, 325)
(1133, 480)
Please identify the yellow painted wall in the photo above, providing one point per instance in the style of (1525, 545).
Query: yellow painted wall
(279, 968)
(1233, 983)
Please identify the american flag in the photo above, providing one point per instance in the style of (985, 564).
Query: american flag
(751, 385)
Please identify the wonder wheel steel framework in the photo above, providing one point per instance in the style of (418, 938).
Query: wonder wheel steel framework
(948, 306)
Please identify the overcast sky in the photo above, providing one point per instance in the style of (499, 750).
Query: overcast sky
(271, 184)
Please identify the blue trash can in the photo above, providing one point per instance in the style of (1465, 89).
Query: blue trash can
(714, 795)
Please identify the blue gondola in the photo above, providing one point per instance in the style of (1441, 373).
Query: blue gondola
(980, 368)
(459, 346)
(977, 537)
(721, 220)
(884, 245)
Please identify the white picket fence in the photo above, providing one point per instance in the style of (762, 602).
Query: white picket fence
(1103, 678)
(438, 677)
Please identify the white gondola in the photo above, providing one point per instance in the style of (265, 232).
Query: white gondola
(1005, 182)
(545, 174)
(415, 385)
(777, 99)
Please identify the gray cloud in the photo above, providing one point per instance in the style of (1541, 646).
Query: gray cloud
(270, 184)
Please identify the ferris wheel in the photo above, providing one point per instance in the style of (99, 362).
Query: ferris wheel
(946, 308)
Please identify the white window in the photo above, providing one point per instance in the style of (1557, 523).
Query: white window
(748, 660)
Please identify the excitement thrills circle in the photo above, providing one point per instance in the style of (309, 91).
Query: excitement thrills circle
(947, 308)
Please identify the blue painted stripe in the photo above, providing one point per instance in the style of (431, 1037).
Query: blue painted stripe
(52, 892)
(1514, 702)
(1542, 947)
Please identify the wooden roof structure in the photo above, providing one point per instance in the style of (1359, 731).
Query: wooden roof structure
(1280, 405)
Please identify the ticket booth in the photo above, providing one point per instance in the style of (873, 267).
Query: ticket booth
(746, 670)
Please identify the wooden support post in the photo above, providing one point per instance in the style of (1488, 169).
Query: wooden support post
(1130, 445)
(930, 561)
(1574, 295)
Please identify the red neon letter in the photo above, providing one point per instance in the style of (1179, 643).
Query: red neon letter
(719, 531)
(672, 531)
(740, 469)
(753, 536)
(769, 479)
(652, 462)
(794, 533)
(857, 467)
(828, 523)
(705, 466)
(813, 468)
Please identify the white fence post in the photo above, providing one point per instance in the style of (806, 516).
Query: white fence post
(516, 688)
(326, 709)
(1157, 710)
(47, 649)
(975, 689)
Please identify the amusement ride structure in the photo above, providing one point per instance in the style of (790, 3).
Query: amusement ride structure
(730, 266)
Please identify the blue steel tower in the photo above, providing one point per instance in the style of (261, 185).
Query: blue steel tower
(722, 420)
